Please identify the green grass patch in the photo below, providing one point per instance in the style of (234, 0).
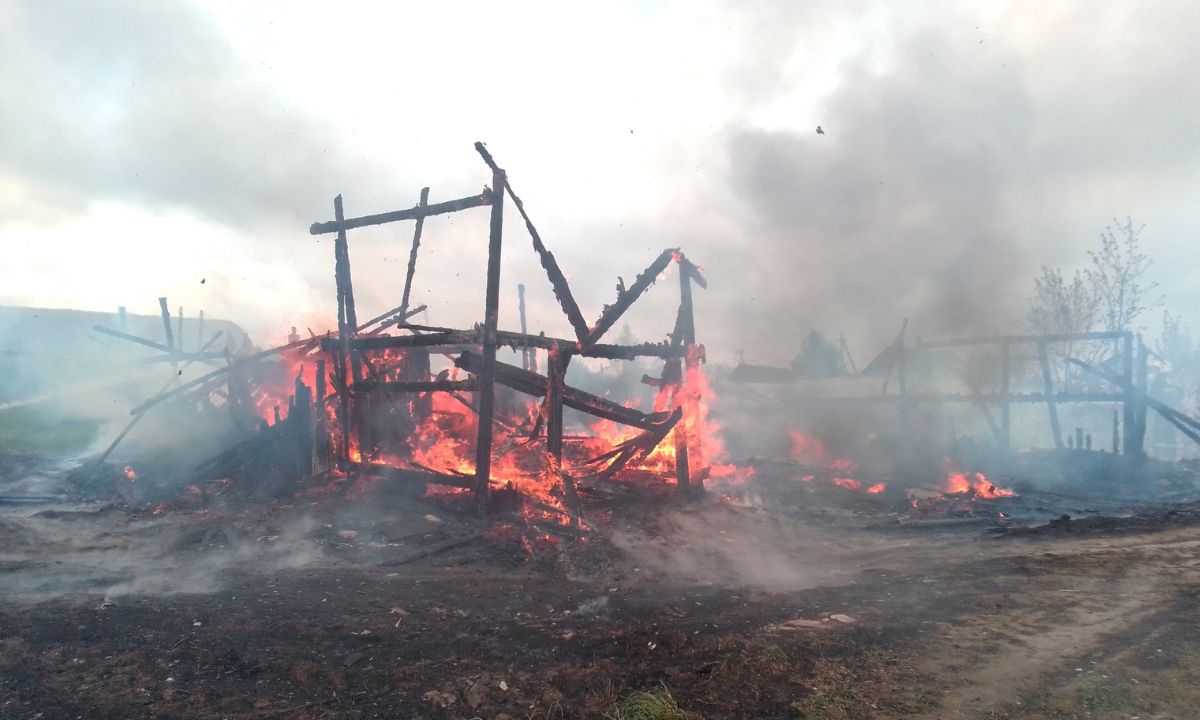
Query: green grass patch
(26, 430)
(657, 704)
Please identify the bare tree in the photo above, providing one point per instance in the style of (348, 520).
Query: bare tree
(1061, 308)
(1118, 276)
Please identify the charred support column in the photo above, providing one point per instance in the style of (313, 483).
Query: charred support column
(412, 254)
(521, 309)
(1048, 388)
(487, 374)
(347, 322)
(1005, 404)
(556, 374)
(320, 441)
(1129, 411)
(904, 410)
(166, 318)
(200, 330)
(684, 430)
(1144, 384)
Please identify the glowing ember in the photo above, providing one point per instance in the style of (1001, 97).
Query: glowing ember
(129, 473)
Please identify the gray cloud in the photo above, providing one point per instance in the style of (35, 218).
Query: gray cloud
(946, 175)
(146, 101)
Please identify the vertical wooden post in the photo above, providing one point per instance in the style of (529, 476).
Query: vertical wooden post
(903, 409)
(124, 318)
(1005, 400)
(487, 371)
(1116, 438)
(556, 373)
(1129, 404)
(1143, 383)
(346, 327)
(320, 438)
(412, 254)
(166, 318)
(1048, 389)
(685, 435)
(521, 310)
(200, 331)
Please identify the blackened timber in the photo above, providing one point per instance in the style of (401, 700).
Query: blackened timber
(400, 386)
(693, 270)
(524, 329)
(390, 316)
(141, 341)
(556, 370)
(510, 339)
(390, 472)
(233, 365)
(412, 253)
(137, 418)
(487, 367)
(399, 320)
(558, 281)
(940, 398)
(166, 318)
(1129, 407)
(347, 286)
(532, 383)
(383, 342)
(1051, 406)
(997, 339)
(613, 312)
(321, 228)
(685, 329)
(1005, 404)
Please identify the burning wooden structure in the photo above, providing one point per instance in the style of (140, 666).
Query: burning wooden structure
(365, 403)
(370, 369)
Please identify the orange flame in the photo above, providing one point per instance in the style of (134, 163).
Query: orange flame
(957, 482)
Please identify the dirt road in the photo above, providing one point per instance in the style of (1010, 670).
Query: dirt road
(734, 612)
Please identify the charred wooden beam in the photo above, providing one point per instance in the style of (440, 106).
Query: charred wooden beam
(412, 253)
(138, 417)
(166, 318)
(398, 320)
(1005, 403)
(525, 351)
(1016, 339)
(1184, 423)
(233, 365)
(321, 228)
(534, 384)
(171, 353)
(1051, 406)
(444, 337)
(954, 398)
(693, 270)
(487, 367)
(408, 386)
(627, 296)
(407, 475)
(558, 281)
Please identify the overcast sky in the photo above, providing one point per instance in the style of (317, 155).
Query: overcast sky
(146, 147)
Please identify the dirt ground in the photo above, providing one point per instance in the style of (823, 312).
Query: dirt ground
(391, 607)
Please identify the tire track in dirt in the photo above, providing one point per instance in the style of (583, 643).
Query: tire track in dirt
(1042, 626)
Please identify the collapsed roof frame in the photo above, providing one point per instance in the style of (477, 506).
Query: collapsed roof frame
(348, 348)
